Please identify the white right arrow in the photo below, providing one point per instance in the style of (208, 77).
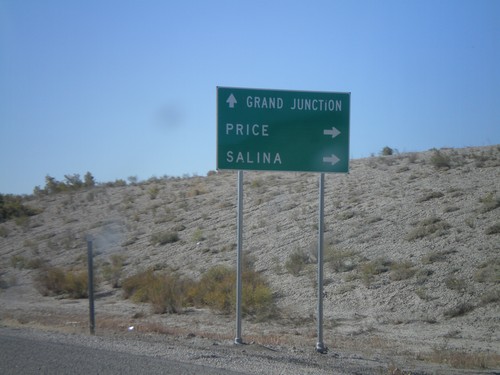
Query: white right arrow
(333, 132)
(331, 159)
(231, 101)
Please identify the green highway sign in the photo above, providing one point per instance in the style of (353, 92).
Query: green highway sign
(278, 130)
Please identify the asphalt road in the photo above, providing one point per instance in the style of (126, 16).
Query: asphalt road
(24, 355)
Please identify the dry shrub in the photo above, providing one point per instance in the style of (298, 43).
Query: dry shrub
(432, 226)
(489, 272)
(166, 292)
(440, 160)
(429, 196)
(169, 293)
(465, 360)
(52, 281)
(216, 289)
(490, 296)
(489, 203)
(194, 191)
(112, 271)
(402, 270)
(437, 256)
(459, 310)
(342, 260)
(494, 229)
(297, 261)
(163, 238)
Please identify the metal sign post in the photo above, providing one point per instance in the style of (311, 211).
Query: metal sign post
(239, 258)
(320, 346)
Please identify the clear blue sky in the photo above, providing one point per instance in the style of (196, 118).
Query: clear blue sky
(128, 88)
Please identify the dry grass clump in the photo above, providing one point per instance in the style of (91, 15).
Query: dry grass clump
(21, 262)
(375, 267)
(494, 229)
(429, 196)
(297, 261)
(464, 360)
(491, 296)
(216, 289)
(489, 203)
(167, 293)
(454, 283)
(342, 260)
(432, 226)
(51, 281)
(112, 270)
(4, 232)
(171, 293)
(459, 310)
(440, 160)
(437, 256)
(402, 270)
(194, 191)
(489, 272)
(163, 238)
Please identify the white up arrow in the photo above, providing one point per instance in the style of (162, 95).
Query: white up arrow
(331, 159)
(333, 132)
(231, 101)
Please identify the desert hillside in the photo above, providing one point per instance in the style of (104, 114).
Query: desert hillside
(412, 250)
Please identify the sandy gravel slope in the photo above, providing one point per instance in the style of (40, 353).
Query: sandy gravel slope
(412, 274)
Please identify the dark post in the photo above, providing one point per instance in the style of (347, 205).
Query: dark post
(91, 286)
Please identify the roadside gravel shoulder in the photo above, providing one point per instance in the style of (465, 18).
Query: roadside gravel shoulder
(246, 359)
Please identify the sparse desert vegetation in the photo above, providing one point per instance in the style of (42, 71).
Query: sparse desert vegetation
(411, 254)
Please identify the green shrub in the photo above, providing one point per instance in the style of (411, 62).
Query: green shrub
(386, 151)
(72, 183)
(11, 206)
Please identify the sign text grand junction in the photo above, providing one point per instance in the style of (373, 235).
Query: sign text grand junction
(277, 130)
